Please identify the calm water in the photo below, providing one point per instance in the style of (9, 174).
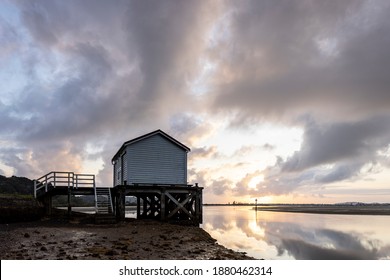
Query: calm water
(277, 235)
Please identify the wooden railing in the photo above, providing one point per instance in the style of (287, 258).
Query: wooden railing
(84, 180)
(62, 179)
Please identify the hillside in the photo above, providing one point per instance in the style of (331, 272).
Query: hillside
(16, 185)
(16, 200)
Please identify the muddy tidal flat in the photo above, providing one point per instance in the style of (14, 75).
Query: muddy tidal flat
(77, 239)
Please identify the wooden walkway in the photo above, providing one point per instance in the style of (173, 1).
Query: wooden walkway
(62, 183)
(169, 203)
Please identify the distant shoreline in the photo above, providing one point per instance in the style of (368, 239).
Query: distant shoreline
(342, 209)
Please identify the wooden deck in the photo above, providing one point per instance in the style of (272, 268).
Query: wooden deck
(169, 203)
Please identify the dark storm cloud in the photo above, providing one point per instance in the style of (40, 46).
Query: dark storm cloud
(72, 105)
(98, 71)
(339, 172)
(169, 39)
(332, 142)
(204, 152)
(290, 57)
(156, 44)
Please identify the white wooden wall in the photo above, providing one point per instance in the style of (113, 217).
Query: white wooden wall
(153, 160)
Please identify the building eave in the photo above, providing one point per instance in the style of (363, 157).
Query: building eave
(150, 134)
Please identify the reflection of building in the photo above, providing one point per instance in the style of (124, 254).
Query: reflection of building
(154, 158)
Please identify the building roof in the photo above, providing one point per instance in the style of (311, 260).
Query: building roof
(150, 134)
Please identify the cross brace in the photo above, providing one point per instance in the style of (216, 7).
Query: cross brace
(180, 206)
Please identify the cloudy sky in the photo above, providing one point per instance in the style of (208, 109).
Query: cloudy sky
(279, 100)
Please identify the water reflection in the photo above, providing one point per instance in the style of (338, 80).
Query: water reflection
(273, 235)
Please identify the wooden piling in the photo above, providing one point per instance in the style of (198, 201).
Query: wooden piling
(69, 202)
(167, 202)
(47, 203)
(120, 204)
(163, 215)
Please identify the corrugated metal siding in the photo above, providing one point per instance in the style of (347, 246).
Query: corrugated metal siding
(156, 160)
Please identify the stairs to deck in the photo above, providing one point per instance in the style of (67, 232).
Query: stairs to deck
(103, 205)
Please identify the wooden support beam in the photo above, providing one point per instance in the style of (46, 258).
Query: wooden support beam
(180, 206)
(167, 202)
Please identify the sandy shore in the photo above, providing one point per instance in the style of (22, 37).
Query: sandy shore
(79, 238)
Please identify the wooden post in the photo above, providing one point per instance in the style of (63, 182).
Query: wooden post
(69, 202)
(47, 203)
(157, 205)
(201, 206)
(120, 205)
(145, 207)
(138, 207)
(152, 206)
(46, 183)
(198, 206)
(162, 203)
